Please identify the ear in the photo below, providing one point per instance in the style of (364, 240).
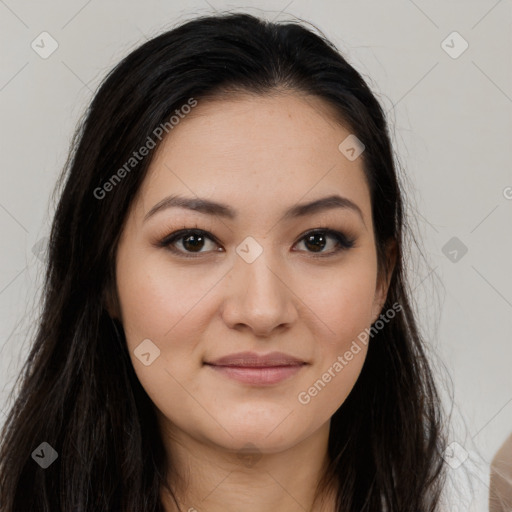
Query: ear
(110, 301)
(384, 279)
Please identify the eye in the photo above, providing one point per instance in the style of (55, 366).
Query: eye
(317, 240)
(191, 241)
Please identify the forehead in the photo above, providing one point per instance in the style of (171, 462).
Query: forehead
(254, 151)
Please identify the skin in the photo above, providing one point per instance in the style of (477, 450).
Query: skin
(260, 155)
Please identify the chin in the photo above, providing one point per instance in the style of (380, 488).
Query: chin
(263, 437)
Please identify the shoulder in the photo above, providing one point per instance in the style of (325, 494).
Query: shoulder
(500, 489)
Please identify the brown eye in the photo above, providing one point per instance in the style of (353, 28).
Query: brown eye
(316, 241)
(191, 241)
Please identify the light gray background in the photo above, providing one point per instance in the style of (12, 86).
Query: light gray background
(451, 125)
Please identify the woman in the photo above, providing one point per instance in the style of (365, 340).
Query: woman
(227, 323)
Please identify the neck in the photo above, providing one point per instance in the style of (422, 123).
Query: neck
(206, 477)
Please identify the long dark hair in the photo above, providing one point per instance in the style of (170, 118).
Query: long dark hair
(78, 391)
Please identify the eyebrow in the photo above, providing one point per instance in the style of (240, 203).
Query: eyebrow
(209, 207)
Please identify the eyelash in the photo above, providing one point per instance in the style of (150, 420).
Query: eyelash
(344, 243)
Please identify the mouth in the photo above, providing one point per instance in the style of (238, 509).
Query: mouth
(258, 370)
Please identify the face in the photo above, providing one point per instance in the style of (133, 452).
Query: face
(203, 309)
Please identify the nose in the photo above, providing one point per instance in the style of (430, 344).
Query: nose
(259, 297)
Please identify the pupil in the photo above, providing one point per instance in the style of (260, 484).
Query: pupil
(315, 241)
(196, 245)
(310, 239)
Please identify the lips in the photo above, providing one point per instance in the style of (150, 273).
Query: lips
(254, 360)
(256, 369)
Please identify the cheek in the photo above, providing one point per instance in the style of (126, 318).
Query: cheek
(328, 390)
(157, 299)
(171, 308)
(343, 308)
(157, 304)
(340, 352)
(342, 301)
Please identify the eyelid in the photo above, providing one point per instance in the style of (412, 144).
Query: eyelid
(344, 241)
(168, 240)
